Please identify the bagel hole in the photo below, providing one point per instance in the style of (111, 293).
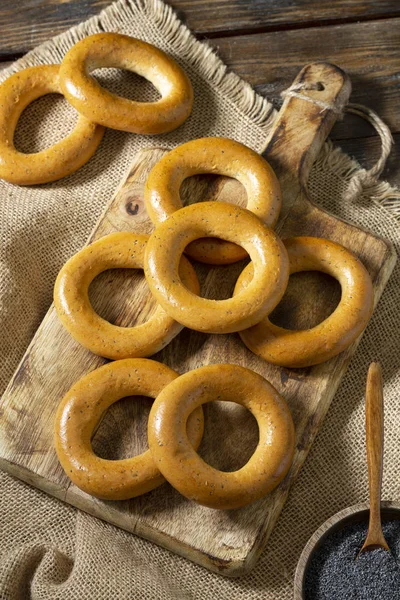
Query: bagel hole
(230, 436)
(126, 84)
(218, 282)
(311, 296)
(201, 188)
(43, 123)
(122, 432)
(122, 297)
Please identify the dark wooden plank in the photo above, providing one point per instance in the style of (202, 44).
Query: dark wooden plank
(209, 17)
(37, 20)
(368, 52)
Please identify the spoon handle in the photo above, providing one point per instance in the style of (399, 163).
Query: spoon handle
(374, 431)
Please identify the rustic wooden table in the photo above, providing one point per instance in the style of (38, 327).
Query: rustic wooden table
(266, 42)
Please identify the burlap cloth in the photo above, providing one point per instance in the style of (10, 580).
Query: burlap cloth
(52, 551)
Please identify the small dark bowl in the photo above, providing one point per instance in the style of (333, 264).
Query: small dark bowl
(348, 516)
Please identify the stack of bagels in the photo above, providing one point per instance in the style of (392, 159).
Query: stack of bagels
(215, 233)
(96, 107)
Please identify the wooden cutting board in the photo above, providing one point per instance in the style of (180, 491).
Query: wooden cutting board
(227, 542)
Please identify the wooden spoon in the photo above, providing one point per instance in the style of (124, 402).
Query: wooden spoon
(374, 432)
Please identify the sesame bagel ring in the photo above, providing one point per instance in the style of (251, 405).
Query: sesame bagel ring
(237, 225)
(81, 411)
(178, 461)
(57, 161)
(106, 108)
(293, 348)
(218, 156)
(71, 299)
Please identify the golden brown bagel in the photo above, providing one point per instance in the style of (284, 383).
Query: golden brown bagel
(82, 409)
(57, 161)
(218, 156)
(71, 299)
(178, 461)
(290, 348)
(101, 106)
(228, 222)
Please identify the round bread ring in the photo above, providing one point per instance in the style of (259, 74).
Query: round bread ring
(186, 471)
(218, 156)
(106, 108)
(81, 411)
(57, 161)
(71, 299)
(232, 223)
(292, 348)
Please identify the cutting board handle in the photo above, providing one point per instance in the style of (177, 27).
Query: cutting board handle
(312, 104)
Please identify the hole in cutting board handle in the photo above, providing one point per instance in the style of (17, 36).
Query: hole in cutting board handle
(316, 87)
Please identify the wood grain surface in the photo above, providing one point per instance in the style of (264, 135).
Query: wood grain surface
(368, 51)
(265, 42)
(228, 542)
(37, 20)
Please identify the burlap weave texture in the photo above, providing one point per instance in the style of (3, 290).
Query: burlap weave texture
(50, 550)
